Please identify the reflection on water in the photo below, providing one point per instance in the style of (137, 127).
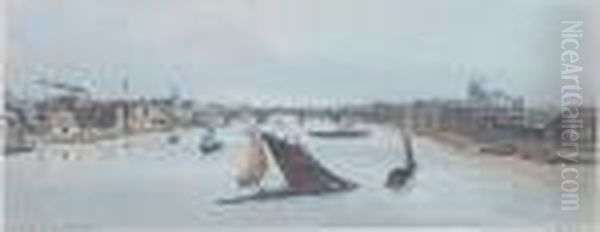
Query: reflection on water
(146, 181)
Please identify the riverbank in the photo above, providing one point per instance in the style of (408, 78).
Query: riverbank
(536, 151)
(456, 140)
(88, 138)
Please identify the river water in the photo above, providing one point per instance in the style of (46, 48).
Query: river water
(144, 181)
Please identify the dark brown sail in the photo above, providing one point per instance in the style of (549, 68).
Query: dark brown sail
(301, 170)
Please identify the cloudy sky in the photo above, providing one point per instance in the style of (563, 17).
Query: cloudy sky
(286, 51)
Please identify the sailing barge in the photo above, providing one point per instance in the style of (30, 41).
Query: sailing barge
(302, 173)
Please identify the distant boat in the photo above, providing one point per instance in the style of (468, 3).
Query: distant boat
(339, 133)
(499, 149)
(302, 173)
(173, 139)
(209, 143)
(15, 149)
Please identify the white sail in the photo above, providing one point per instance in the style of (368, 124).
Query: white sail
(252, 164)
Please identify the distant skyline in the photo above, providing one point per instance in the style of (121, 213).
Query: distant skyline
(285, 52)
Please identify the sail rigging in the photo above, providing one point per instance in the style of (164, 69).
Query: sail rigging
(302, 173)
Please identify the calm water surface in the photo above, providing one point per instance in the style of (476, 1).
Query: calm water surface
(144, 181)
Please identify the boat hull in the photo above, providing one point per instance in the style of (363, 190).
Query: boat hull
(271, 195)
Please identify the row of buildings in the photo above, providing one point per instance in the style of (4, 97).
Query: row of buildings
(70, 118)
(495, 119)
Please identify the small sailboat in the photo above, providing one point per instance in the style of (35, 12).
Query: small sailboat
(399, 176)
(344, 130)
(302, 173)
(209, 143)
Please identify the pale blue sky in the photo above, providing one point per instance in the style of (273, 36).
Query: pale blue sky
(288, 51)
